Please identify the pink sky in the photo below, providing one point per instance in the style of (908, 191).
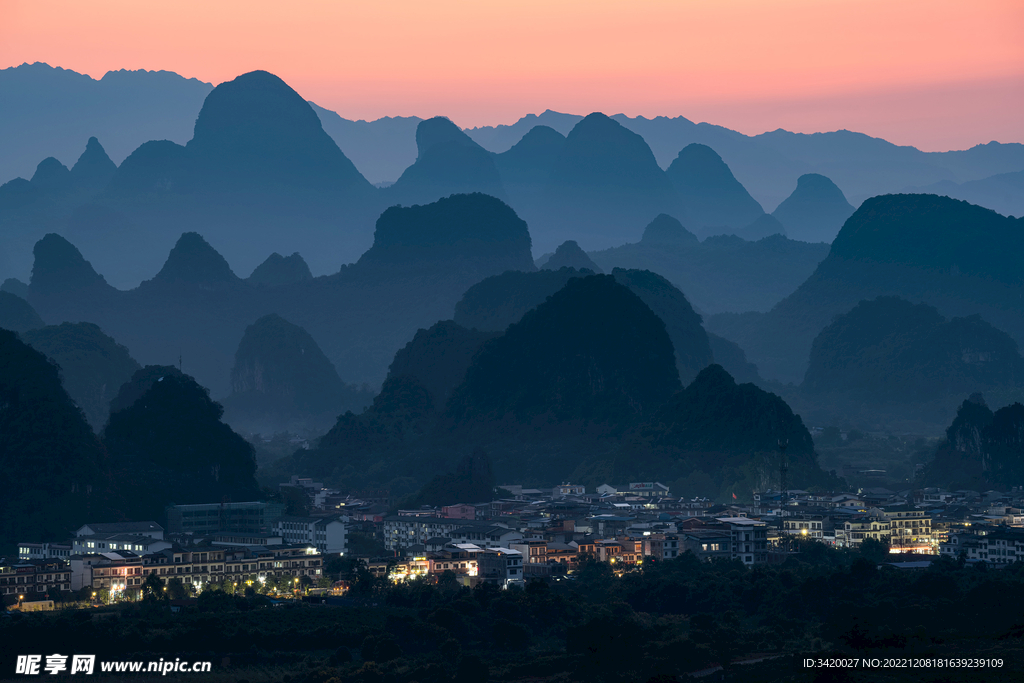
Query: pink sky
(937, 74)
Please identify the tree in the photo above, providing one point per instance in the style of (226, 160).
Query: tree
(153, 588)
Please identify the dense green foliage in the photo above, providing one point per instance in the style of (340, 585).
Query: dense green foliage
(169, 446)
(93, 366)
(56, 468)
(282, 381)
(671, 619)
(592, 355)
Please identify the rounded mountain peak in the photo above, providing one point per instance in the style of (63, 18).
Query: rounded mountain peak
(665, 230)
(815, 211)
(193, 260)
(257, 128)
(440, 130)
(715, 201)
(51, 175)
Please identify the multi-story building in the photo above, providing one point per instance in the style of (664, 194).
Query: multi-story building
(909, 528)
(863, 526)
(748, 539)
(807, 525)
(999, 547)
(707, 543)
(32, 580)
(216, 564)
(403, 531)
(328, 534)
(208, 518)
(501, 566)
(117, 542)
(44, 551)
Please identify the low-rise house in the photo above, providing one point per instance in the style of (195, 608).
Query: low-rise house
(501, 566)
(707, 544)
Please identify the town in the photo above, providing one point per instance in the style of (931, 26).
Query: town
(523, 535)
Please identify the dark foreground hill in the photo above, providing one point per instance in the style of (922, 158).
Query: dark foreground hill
(962, 259)
(722, 273)
(197, 309)
(583, 387)
(982, 449)
(158, 462)
(58, 463)
(499, 301)
(93, 366)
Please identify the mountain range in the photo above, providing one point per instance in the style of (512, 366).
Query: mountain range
(126, 109)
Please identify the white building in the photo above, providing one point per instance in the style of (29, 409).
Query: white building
(328, 534)
(501, 566)
(44, 551)
(151, 529)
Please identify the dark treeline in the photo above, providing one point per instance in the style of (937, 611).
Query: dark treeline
(660, 623)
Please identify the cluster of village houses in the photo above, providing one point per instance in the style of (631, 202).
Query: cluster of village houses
(523, 535)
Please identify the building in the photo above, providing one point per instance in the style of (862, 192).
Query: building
(403, 531)
(44, 551)
(910, 529)
(32, 580)
(563, 490)
(150, 529)
(105, 542)
(207, 518)
(748, 539)
(871, 524)
(459, 511)
(707, 544)
(328, 534)
(806, 525)
(501, 566)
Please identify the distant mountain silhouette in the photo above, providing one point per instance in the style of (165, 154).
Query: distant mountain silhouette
(282, 381)
(448, 162)
(733, 360)
(666, 230)
(716, 203)
(766, 225)
(961, 259)
(569, 255)
(194, 261)
(259, 175)
(380, 149)
(94, 169)
(16, 314)
(593, 355)
(93, 366)
(16, 287)
(50, 112)
(526, 168)
(1003, 192)
(61, 467)
(890, 350)
(603, 180)
(722, 273)
(195, 309)
(438, 358)
(280, 270)
(476, 231)
(815, 211)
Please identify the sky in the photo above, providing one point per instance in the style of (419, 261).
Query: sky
(936, 74)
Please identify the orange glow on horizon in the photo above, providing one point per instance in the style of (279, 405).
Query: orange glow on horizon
(900, 70)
